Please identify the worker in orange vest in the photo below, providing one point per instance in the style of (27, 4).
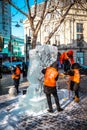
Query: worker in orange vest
(67, 60)
(70, 55)
(16, 77)
(64, 59)
(50, 78)
(74, 74)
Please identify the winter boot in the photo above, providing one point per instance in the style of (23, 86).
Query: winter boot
(50, 110)
(76, 99)
(60, 109)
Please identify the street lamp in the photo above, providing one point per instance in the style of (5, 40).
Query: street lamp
(17, 25)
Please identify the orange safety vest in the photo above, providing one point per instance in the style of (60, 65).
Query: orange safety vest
(13, 76)
(76, 77)
(72, 61)
(18, 72)
(49, 77)
(16, 75)
(63, 56)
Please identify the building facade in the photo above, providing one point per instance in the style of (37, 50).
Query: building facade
(72, 34)
(5, 22)
(16, 47)
(5, 19)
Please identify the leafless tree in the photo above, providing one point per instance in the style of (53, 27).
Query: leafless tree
(1, 42)
(48, 6)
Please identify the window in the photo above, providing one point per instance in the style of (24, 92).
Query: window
(79, 27)
(79, 36)
(80, 57)
(52, 15)
(79, 33)
(48, 16)
(47, 28)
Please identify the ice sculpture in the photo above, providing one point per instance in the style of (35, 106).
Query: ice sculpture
(40, 57)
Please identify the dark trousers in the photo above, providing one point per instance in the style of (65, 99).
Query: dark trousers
(56, 100)
(67, 65)
(16, 83)
(75, 87)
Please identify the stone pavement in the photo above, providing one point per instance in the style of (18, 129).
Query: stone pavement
(74, 116)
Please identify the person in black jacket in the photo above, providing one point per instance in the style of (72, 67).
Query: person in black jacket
(24, 70)
(0, 73)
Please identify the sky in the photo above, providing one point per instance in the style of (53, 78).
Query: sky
(17, 17)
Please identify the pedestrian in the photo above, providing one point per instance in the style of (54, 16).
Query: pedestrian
(24, 70)
(74, 75)
(50, 78)
(0, 73)
(16, 77)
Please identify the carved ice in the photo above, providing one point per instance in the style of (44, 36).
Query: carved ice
(40, 57)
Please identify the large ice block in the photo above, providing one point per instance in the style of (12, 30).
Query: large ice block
(40, 57)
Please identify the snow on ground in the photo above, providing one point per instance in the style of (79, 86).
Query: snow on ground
(11, 113)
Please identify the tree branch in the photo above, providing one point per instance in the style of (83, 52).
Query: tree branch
(35, 9)
(61, 21)
(17, 8)
(31, 21)
(83, 6)
(29, 11)
(41, 18)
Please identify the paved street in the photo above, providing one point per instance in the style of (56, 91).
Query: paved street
(7, 82)
(74, 116)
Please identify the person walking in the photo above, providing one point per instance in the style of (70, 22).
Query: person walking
(50, 78)
(16, 77)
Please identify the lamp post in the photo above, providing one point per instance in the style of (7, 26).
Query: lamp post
(10, 48)
(27, 46)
